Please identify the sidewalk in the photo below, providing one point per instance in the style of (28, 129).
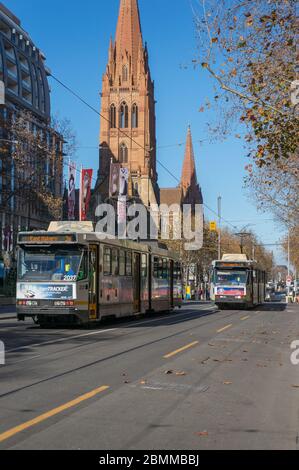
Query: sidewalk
(7, 311)
(4, 301)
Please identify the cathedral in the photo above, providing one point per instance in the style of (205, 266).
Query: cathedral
(128, 121)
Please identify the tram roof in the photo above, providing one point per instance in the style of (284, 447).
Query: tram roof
(63, 237)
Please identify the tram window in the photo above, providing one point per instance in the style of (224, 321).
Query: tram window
(82, 274)
(122, 263)
(144, 266)
(115, 266)
(177, 271)
(160, 268)
(107, 261)
(156, 267)
(165, 269)
(128, 263)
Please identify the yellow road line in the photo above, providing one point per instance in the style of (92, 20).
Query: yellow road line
(188, 346)
(50, 414)
(245, 318)
(225, 328)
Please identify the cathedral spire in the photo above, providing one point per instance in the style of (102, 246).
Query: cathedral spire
(189, 178)
(128, 33)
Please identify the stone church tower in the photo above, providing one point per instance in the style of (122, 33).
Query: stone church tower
(128, 125)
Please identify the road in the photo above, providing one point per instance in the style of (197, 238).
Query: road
(195, 379)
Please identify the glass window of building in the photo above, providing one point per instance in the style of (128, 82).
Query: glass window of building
(113, 116)
(124, 116)
(123, 153)
(134, 116)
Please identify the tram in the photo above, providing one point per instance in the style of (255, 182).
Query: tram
(237, 282)
(67, 275)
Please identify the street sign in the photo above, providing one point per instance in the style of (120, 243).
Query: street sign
(2, 92)
(213, 227)
(289, 281)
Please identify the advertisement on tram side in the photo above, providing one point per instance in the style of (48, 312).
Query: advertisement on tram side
(43, 291)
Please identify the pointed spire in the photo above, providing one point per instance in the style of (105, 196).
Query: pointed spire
(128, 32)
(110, 50)
(189, 178)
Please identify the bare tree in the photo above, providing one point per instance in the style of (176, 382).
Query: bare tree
(32, 165)
(249, 48)
(33, 159)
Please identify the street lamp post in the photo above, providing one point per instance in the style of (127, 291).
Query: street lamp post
(219, 226)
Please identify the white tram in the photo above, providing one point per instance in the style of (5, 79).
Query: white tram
(67, 275)
(237, 282)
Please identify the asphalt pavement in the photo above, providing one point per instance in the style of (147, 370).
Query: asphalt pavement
(194, 379)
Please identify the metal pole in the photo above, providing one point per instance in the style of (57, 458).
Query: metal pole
(288, 287)
(288, 252)
(80, 194)
(219, 226)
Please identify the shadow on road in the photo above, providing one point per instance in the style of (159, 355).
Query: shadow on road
(272, 307)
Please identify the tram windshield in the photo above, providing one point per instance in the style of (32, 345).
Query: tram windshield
(50, 263)
(231, 278)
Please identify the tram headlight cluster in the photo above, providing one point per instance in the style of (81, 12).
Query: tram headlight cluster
(28, 303)
(64, 303)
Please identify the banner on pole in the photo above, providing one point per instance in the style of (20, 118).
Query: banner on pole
(2, 93)
(114, 180)
(72, 191)
(85, 192)
(123, 182)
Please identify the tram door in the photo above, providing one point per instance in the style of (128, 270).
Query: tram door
(93, 282)
(171, 265)
(136, 282)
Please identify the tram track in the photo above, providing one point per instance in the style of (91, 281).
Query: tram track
(60, 340)
(188, 374)
(113, 356)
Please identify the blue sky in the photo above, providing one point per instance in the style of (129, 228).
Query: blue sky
(74, 35)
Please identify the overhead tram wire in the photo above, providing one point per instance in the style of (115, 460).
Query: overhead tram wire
(131, 139)
(118, 128)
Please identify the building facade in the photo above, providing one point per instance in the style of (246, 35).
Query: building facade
(128, 122)
(31, 153)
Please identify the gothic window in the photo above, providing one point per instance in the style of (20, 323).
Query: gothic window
(124, 116)
(125, 73)
(136, 189)
(123, 153)
(112, 116)
(134, 116)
